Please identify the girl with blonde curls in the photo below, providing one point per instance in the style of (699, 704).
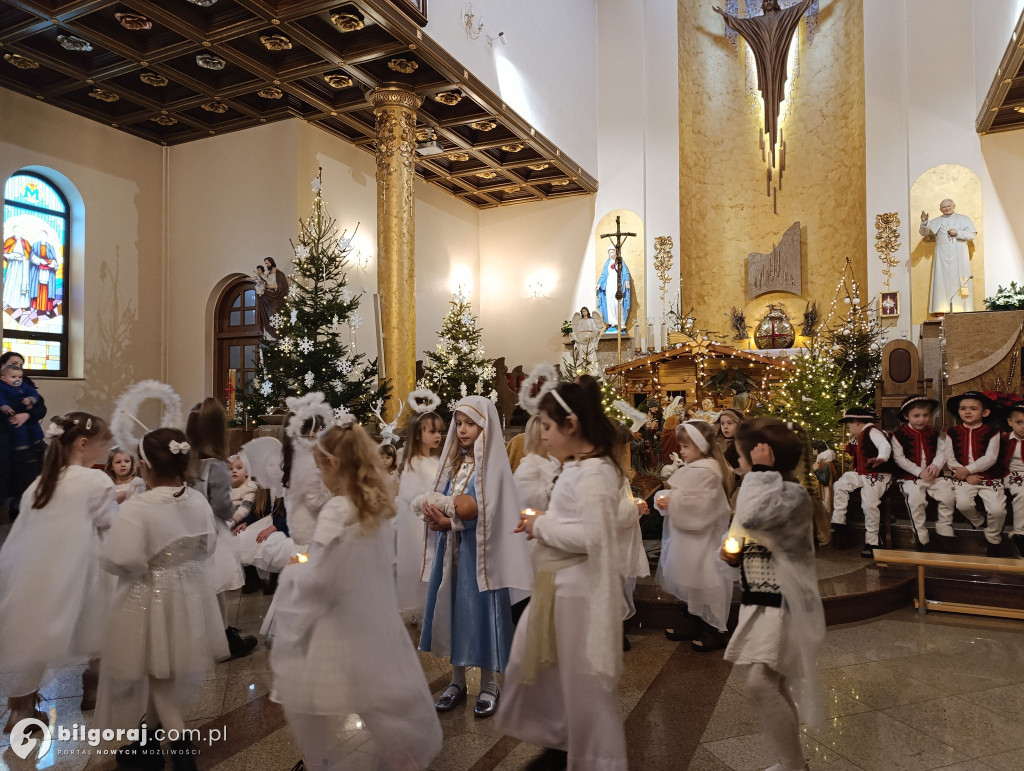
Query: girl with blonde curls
(341, 647)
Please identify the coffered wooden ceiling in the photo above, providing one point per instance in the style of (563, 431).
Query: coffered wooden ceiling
(1003, 109)
(172, 71)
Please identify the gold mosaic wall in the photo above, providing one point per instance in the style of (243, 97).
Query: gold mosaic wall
(724, 211)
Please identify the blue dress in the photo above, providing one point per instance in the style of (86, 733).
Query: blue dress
(481, 625)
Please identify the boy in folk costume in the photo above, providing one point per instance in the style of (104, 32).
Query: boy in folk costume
(1012, 461)
(972, 453)
(870, 449)
(920, 454)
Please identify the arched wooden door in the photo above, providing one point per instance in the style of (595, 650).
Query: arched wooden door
(236, 339)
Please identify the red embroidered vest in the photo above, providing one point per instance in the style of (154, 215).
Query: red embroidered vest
(1009, 446)
(976, 440)
(864, 450)
(912, 442)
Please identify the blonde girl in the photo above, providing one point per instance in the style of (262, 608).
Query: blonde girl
(781, 624)
(342, 648)
(124, 473)
(696, 519)
(727, 422)
(423, 437)
(53, 593)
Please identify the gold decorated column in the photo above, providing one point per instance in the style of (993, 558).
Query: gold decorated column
(395, 110)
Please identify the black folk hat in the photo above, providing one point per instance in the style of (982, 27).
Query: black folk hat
(859, 415)
(953, 403)
(917, 401)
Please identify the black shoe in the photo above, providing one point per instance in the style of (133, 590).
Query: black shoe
(994, 550)
(240, 646)
(923, 547)
(944, 544)
(868, 552)
(710, 640)
(253, 582)
(549, 760)
(1018, 543)
(134, 755)
(689, 629)
(183, 755)
(452, 696)
(270, 585)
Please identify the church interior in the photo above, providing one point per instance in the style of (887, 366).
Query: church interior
(796, 211)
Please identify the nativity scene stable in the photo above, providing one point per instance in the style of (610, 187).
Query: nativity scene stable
(752, 212)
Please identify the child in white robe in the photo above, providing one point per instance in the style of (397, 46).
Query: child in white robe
(53, 593)
(342, 647)
(560, 686)
(164, 630)
(423, 437)
(124, 473)
(535, 474)
(781, 624)
(695, 526)
(207, 429)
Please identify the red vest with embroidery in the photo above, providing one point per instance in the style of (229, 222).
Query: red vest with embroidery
(1009, 446)
(976, 440)
(913, 442)
(864, 450)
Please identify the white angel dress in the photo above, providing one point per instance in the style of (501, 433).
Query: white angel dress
(564, 696)
(132, 487)
(53, 593)
(165, 621)
(535, 479)
(694, 529)
(341, 646)
(214, 484)
(411, 535)
(629, 540)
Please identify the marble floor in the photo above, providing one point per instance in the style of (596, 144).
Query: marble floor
(902, 691)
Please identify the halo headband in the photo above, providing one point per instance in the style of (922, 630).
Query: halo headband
(561, 401)
(695, 436)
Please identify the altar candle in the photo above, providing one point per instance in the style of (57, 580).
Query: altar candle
(643, 335)
(650, 337)
(732, 546)
(664, 337)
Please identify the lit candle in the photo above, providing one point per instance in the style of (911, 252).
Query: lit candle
(661, 499)
(529, 513)
(302, 558)
(732, 546)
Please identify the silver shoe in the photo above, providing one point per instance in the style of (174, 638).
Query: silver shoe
(484, 708)
(451, 697)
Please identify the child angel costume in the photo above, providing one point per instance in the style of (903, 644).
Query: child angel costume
(214, 484)
(560, 687)
(341, 647)
(53, 593)
(694, 529)
(164, 622)
(411, 534)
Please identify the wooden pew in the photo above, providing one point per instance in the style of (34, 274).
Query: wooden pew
(924, 561)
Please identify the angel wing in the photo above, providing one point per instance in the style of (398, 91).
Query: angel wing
(631, 412)
(577, 317)
(262, 457)
(602, 325)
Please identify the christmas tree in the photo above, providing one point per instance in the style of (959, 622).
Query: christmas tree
(457, 366)
(815, 393)
(319, 313)
(852, 337)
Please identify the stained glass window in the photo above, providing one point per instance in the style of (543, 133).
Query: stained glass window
(35, 272)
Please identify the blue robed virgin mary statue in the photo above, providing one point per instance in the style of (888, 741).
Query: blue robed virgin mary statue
(606, 288)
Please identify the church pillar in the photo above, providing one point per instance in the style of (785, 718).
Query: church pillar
(395, 110)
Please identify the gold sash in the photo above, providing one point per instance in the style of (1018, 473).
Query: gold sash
(540, 632)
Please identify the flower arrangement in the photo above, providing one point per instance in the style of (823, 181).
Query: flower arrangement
(1009, 298)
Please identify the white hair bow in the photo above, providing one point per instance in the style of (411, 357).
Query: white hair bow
(54, 430)
(179, 448)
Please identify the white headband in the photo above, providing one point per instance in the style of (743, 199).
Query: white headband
(696, 436)
(561, 401)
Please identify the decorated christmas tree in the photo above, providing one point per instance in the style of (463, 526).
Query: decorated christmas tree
(815, 393)
(318, 316)
(852, 337)
(457, 366)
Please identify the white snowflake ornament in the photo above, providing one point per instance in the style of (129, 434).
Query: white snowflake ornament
(309, 379)
(305, 346)
(265, 388)
(276, 320)
(294, 316)
(355, 321)
(301, 251)
(346, 294)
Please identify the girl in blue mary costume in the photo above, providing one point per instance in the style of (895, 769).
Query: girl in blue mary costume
(471, 555)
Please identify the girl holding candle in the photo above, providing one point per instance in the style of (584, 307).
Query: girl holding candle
(567, 654)
(781, 625)
(696, 520)
(341, 647)
(423, 437)
(53, 593)
(471, 556)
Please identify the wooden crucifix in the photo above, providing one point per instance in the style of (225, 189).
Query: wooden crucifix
(618, 238)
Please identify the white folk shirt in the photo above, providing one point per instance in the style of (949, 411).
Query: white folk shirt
(917, 465)
(1016, 464)
(974, 465)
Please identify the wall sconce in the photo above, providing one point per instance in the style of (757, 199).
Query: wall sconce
(536, 288)
(461, 281)
(539, 283)
(361, 259)
(470, 24)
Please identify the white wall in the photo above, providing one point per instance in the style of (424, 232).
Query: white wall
(117, 251)
(546, 72)
(922, 98)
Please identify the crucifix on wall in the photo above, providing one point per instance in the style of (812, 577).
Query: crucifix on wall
(618, 238)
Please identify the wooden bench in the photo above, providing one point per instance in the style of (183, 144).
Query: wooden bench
(926, 560)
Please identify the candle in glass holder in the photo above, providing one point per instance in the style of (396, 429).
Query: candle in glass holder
(732, 546)
(528, 513)
(302, 558)
(661, 499)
